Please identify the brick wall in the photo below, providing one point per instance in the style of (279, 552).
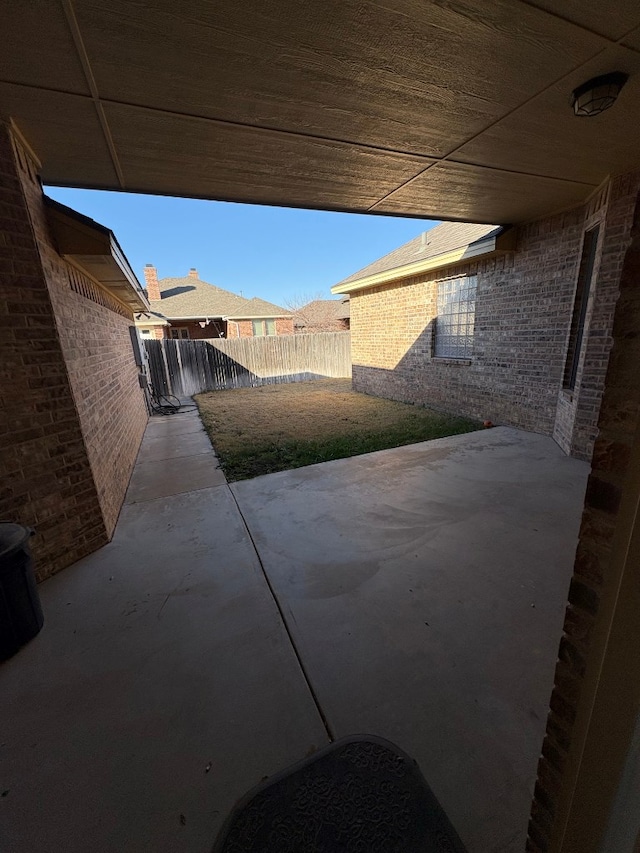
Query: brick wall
(523, 312)
(523, 306)
(577, 412)
(70, 385)
(46, 478)
(284, 325)
(239, 329)
(618, 425)
(104, 378)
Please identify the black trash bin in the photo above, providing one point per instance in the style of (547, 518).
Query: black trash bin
(20, 610)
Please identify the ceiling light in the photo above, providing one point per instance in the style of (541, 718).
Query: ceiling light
(598, 94)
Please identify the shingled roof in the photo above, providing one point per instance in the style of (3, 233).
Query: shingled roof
(437, 241)
(257, 307)
(189, 297)
(321, 311)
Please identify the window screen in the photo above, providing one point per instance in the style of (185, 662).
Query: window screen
(456, 316)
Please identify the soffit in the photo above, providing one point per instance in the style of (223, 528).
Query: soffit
(94, 249)
(65, 131)
(573, 147)
(220, 161)
(341, 104)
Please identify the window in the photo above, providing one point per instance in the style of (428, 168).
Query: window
(456, 307)
(146, 333)
(264, 327)
(576, 331)
(180, 332)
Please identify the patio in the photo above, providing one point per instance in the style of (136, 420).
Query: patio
(226, 632)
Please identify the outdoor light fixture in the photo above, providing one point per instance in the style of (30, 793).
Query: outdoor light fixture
(598, 94)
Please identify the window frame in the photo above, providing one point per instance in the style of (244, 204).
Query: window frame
(263, 324)
(182, 333)
(449, 323)
(578, 324)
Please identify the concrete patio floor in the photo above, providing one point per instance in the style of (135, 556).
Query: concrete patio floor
(415, 593)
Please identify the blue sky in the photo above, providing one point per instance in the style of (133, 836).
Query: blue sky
(270, 252)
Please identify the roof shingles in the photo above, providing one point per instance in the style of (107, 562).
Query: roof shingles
(321, 311)
(189, 297)
(437, 241)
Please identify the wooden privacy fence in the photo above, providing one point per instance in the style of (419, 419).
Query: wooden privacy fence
(189, 367)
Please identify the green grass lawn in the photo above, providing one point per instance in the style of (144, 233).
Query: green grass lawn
(276, 427)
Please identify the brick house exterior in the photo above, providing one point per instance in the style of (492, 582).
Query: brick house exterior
(523, 314)
(74, 413)
(190, 308)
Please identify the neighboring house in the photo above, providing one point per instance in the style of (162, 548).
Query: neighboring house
(189, 308)
(508, 325)
(322, 315)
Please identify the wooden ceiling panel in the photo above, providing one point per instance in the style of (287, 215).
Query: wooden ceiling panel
(633, 40)
(184, 156)
(335, 104)
(473, 194)
(405, 75)
(37, 47)
(611, 18)
(552, 141)
(64, 132)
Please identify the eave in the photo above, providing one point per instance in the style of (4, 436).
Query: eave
(238, 317)
(151, 321)
(487, 247)
(94, 250)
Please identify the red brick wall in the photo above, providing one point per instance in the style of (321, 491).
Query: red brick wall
(46, 478)
(244, 328)
(618, 425)
(72, 371)
(284, 325)
(523, 311)
(239, 329)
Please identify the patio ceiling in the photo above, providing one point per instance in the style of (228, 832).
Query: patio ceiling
(456, 110)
